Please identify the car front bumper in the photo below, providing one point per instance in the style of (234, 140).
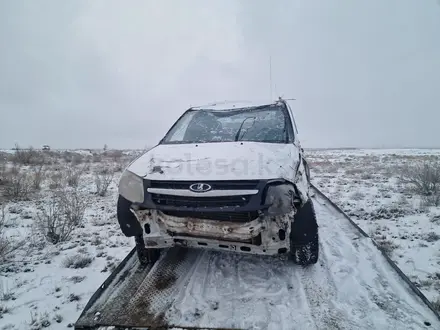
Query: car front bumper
(263, 236)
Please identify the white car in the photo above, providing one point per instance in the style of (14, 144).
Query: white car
(225, 177)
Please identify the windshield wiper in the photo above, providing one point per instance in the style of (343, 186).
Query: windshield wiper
(241, 126)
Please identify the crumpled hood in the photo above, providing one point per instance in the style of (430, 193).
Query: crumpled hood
(218, 161)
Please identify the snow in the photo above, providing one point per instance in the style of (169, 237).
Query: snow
(352, 287)
(228, 105)
(350, 283)
(36, 287)
(364, 184)
(218, 161)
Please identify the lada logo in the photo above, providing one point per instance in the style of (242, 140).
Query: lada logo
(200, 187)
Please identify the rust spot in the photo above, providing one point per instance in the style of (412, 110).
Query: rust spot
(151, 243)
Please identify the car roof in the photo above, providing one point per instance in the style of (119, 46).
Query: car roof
(230, 105)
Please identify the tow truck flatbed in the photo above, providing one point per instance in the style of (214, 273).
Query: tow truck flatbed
(353, 286)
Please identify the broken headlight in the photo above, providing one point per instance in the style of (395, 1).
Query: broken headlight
(280, 199)
(131, 187)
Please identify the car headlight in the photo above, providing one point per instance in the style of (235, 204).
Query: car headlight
(280, 198)
(131, 187)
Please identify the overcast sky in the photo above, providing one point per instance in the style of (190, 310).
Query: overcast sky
(81, 74)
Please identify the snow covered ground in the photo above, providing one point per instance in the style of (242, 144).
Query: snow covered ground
(366, 185)
(45, 280)
(46, 285)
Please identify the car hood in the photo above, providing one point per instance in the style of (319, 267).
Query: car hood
(218, 161)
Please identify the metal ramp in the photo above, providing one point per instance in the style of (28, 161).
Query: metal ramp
(353, 286)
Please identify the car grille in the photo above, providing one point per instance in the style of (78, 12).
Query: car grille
(216, 185)
(185, 201)
(219, 216)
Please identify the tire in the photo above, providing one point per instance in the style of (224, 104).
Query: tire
(304, 238)
(145, 256)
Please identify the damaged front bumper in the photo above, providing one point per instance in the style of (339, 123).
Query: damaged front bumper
(266, 235)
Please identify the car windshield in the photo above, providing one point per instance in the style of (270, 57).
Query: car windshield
(267, 124)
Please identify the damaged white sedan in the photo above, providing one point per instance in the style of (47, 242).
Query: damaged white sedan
(225, 177)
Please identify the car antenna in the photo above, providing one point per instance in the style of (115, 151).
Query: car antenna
(270, 76)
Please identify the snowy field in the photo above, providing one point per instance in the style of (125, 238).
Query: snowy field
(59, 237)
(394, 196)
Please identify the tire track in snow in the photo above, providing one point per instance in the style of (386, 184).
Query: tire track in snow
(332, 307)
(351, 287)
(386, 299)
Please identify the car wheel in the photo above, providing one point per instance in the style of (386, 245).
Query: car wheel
(304, 238)
(145, 256)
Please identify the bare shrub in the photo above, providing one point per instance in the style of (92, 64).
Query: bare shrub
(76, 261)
(386, 245)
(103, 179)
(77, 159)
(431, 237)
(74, 205)
(73, 176)
(24, 156)
(68, 156)
(119, 167)
(3, 173)
(435, 219)
(39, 322)
(38, 173)
(115, 155)
(354, 171)
(431, 200)
(423, 178)
(423, 207)
(52, 225)
(403, 201)
(388, 171)
(18, 184)
(56, 180)
(77, 279)
(357, 195)
(63, 214)
(58, 318)
(4, 310)
(7, 245)
(96, 158)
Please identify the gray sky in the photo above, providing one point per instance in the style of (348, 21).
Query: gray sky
(78, 74)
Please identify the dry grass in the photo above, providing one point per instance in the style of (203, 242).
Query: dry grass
(423, 178)
(17, 184)
(432, 237)
(7, 245)
(76, 261)
(387, 245)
